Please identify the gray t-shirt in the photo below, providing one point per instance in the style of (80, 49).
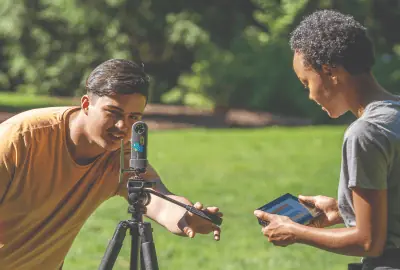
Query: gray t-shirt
(371, 160)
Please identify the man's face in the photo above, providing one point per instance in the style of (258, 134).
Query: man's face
(110, 118)
(323, 87)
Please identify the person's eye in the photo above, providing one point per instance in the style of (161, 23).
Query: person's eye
(135, 117)
(113, 114)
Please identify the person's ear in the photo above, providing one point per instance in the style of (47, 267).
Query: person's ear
(85, 102)
(329, 71)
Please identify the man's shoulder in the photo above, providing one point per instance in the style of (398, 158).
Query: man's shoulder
(35, 119)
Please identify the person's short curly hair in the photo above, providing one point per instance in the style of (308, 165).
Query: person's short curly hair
(335, 39)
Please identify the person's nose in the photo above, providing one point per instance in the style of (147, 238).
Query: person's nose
(122, 125)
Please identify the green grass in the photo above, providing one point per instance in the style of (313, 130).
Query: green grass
(237, 170)
(13, 102)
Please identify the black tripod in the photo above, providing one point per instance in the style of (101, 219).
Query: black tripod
(141, 232)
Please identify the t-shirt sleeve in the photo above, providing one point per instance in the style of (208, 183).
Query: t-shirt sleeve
(366, 156)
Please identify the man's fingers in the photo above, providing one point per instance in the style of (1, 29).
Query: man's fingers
(198, 205)
(189, 232)
(212, 209)
(217, 233)
(263, 215)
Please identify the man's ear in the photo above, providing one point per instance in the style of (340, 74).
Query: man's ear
(330, 72)
(85, 102)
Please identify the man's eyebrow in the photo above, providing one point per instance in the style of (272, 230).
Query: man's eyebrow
(115, 108)
(121, 110)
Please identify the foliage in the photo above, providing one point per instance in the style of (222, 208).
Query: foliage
(228, 53)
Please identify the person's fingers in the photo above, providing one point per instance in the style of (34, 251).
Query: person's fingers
(217, 233)
(186, 229)
(307, 199)
(263, 215)
(212, 209)
(198, 205)
(189, 232)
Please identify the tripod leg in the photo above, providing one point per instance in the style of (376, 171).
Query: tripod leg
(114, 246)
(142, 265)
(148, 248)
(135, 244)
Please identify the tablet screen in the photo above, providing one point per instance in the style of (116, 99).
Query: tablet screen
(289, 205)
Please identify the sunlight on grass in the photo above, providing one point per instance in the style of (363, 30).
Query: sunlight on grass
(237, 170)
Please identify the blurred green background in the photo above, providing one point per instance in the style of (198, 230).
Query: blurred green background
(215, 55)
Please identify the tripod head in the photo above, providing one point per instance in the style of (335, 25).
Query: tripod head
(139, 190)
(138, 196)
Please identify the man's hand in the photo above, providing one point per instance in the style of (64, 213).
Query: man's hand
(280, 229)
(191, 224)
(328, 206)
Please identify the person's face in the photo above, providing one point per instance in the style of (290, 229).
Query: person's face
(110, 118)
(323, 86)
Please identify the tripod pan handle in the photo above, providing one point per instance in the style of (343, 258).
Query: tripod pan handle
(210, 217)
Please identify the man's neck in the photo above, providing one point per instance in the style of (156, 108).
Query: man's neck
(81, 148)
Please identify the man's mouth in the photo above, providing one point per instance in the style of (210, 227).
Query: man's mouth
(117, 136)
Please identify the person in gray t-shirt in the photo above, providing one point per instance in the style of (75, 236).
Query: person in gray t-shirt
(333, 57)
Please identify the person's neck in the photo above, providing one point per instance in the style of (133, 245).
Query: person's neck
(82, 150)
(365, 89)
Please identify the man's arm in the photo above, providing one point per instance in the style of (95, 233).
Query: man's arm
(162, 211)
(169, 215)
(165, 213)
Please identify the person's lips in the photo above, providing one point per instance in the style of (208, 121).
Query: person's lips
(116, 136)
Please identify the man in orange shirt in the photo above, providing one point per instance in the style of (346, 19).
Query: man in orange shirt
(58, 164)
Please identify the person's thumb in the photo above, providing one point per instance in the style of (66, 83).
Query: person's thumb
(189, 232)
(186, 229)
(307, 199)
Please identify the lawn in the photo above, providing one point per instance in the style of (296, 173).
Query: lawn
(237, 170)
(14, 102)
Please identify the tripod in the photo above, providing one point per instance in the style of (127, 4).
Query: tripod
(139, 192)
(141, 232)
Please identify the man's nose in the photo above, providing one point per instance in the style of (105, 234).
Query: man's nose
(121, 125)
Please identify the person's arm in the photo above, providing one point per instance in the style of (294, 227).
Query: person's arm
(366, 239)
(169, 215)
(164, 212)
(366, 158)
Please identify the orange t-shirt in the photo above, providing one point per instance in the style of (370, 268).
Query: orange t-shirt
(46, 197)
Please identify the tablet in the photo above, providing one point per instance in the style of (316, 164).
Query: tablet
(289, 205)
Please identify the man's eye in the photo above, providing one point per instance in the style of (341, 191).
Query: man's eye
(113, 114)
(135, 117)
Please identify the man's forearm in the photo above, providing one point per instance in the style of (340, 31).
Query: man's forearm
(168, 214)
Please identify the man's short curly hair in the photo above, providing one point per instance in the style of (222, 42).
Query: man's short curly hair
(335, 39)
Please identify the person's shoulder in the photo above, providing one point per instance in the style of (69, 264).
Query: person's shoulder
(35, 119)
(358, 127)
(24, 126)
